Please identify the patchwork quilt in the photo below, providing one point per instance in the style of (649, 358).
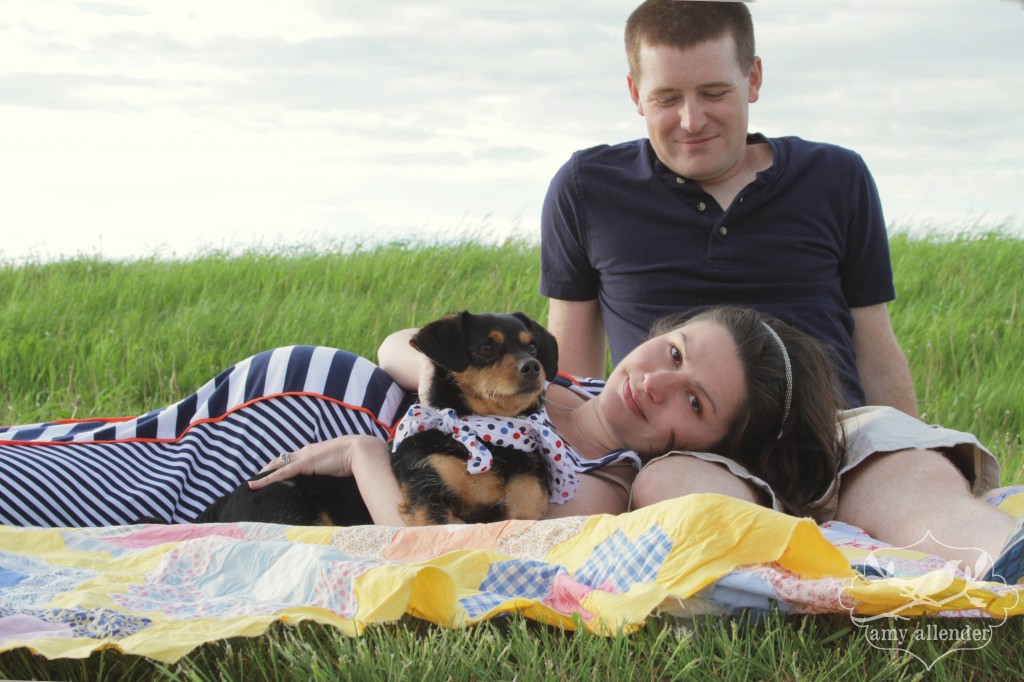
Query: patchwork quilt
(161, 591)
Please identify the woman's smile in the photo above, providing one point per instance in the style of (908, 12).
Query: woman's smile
(677, 390)
(631, 402)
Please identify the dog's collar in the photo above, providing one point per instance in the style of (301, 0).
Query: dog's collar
(476, 433)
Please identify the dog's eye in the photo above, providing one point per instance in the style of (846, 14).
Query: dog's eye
(531, 348)
(486, 348)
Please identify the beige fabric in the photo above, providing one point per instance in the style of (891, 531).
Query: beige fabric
(875, 430)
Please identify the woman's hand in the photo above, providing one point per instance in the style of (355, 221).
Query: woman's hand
(327, 458)
(367, 458)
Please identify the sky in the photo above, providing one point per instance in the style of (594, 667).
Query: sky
(167, 128)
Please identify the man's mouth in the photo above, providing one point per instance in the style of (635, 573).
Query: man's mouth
(696, 141)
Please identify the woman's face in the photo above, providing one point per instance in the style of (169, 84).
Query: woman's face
(677, 391)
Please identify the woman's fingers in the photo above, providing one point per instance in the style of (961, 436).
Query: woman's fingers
(327, 458)
(277, 462)
(281, 468)
(278, 471)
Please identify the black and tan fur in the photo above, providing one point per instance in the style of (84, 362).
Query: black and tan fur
(485, 364)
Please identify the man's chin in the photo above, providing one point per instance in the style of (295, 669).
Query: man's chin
(693, 165)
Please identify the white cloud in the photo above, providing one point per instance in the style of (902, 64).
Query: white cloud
(205, 123)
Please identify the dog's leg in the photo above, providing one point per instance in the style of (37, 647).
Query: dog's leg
(423, 513)
(471, 494)
(525, 498)
(427, 499)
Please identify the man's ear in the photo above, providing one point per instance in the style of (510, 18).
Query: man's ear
(444, 341)
(547, 346)
(754, 81)
(634, 93)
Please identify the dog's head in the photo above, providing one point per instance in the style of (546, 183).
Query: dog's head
(493, 364)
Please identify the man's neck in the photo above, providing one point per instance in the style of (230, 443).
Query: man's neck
(758, 157)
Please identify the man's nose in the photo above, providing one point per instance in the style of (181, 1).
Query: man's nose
(691, 116)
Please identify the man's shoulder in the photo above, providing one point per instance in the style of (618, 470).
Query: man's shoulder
(799, 151)
(632, 161)
(613, 154)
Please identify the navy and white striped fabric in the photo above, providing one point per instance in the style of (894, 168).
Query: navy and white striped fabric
(173, 462)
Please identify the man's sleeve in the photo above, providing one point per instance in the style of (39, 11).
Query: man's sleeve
(866, 268)
(566, 271)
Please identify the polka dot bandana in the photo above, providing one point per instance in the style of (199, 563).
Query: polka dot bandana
(534, 433)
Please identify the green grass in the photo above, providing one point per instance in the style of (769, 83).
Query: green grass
(960, 318)
(114, 338)
(83, 337)
(824, 648)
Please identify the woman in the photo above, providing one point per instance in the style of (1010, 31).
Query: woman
(759, 394)
(753, 390)
(737, 403)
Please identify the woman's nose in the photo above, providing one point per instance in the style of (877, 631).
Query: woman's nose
(658, 384)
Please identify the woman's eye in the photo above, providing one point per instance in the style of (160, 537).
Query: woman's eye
(677, 357)
(695, 404)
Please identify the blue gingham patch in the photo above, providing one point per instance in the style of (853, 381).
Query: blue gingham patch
(482, 604)
(529, 579)
(625, 563)
(512, 580)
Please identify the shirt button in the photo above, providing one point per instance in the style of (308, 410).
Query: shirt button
(681, 181)
(722, 231)
(701, 206)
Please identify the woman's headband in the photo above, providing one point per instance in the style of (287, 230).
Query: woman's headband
(789, 376)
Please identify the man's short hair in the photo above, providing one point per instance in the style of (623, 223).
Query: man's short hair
(684, 24)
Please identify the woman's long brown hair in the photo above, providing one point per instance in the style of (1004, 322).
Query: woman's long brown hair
(799, 457)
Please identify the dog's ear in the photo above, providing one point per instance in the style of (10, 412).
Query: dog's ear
(547, 346)
(444, 341)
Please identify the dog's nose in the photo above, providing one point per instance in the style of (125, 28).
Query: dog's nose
(529, 367)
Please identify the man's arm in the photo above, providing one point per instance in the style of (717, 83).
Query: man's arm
(884, 371)
(579, 328)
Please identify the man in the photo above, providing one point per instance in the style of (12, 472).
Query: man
(702, 213)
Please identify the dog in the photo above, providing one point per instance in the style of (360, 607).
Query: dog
(300, 501)
(490, 364)
(484, 364)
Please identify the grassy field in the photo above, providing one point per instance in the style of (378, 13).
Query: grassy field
(83, 337)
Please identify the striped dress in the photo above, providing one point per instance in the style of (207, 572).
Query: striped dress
(172, 463)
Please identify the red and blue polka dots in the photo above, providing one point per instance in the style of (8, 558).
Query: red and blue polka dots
(532, 433)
